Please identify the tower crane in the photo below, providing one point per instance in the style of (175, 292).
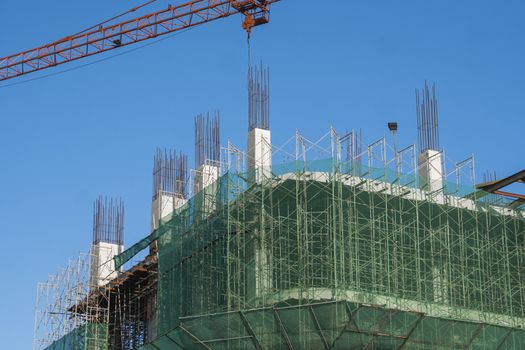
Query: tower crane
(105, 37)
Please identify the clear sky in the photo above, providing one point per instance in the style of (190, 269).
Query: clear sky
(351, 64)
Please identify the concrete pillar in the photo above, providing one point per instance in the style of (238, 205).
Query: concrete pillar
(263, 267)
(259, 154)
(205, 176)
(431, 170)
(440, 285)
(102, 263)
(260, 168)
(163, 205)
(205, 188)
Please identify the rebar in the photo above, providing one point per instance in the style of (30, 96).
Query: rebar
(258, 98)
(170, 172)
(427, 118)
(108, 221)
(207, 138)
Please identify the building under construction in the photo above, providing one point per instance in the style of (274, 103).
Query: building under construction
(325, 244)
(330, 243)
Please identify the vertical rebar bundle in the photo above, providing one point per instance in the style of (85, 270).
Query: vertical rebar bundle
(427, 118)
(207, 138)
(170, 172)
(108, 221)
(258, 98)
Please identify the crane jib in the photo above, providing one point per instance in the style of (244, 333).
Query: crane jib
(109, 37)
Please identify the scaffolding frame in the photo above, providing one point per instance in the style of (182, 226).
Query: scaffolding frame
(71, 310)
(133, 306)
(333, 325)
(327, 229)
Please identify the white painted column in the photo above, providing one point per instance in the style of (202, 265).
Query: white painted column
(163, 205)
(440, 285)
(205, 187)
(260, 168)
(102, 263)
(431, 170)
(205, 176)
(259, 154)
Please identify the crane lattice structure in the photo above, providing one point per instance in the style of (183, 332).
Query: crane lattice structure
(105, 37)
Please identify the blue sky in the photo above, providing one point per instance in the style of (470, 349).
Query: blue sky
(351, 64)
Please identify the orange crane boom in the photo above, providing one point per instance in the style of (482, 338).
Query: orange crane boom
(105, 38)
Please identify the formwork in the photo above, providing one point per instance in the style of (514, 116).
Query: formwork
(333, 254)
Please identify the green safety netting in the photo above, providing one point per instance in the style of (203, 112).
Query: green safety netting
(91, 336)
(314, 231)
(334, 325)
(328, 165)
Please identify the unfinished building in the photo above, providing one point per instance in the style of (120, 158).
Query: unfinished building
(324, 244)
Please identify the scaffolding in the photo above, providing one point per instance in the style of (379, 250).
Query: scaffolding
(132, 306)
(333, 325)
(72, 311)
(322, 229)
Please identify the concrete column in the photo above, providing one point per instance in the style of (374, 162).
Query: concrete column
(163, 205)
(102, 264)
(440, 285)
(205, 176)
(431, 170)
(260, 168)
(204, 188)
(259, 154)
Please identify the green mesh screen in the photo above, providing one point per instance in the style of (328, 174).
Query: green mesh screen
(334, 325)
(315, 231)
(244, 181)
(87, 337)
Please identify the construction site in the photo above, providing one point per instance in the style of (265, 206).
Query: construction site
(327, 243)
(344, 246)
